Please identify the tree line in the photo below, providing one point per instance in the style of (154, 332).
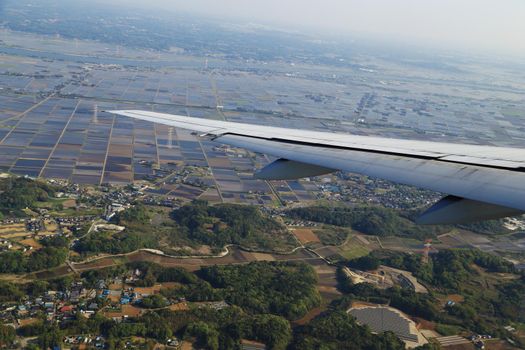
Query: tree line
(366, 219)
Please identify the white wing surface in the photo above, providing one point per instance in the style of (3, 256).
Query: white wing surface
(484, 182)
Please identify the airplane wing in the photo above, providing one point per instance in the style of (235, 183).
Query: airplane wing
(483, 182)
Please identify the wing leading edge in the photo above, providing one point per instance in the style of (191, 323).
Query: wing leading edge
(485, 182)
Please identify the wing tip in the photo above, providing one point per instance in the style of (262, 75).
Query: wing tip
(119, 111)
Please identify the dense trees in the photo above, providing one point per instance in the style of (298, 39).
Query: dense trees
(17, 262)
(364, 263)
(336, 330)
(154, 301)
(275, 331)
(447, 269)
(46, 257)
(286, 289)
(282, 288)
(192, 225)
(408, 301)
(10, 292)
(19, 193)
(488, 301)
(263, 294)
(12, 262)
(152, 273)
(118, 243)
(136, 214)
(369, 220)
(15, 292)
(223, 329)
(487, 227)
(228, 223)
(511, 304)
(7, 335)
(206, 335)
(50, 337)
(383, 221)
(415, 304)
(212, 329)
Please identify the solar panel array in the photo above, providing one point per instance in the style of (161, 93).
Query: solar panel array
(384, 319)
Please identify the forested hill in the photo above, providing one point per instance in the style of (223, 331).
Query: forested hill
(286, 289)
(368, 220)
(19, 193)
(230, 223)
(491, 289)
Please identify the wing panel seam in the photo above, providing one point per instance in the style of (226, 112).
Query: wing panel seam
(397, 154)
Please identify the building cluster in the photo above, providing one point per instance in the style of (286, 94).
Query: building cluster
(115, 298)
(55, 306)
(479, 340)
(352, 188)
(301, 223)
(86, 340)
(168, 201)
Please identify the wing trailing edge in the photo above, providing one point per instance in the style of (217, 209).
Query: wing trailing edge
(484, 182)
(284, 169)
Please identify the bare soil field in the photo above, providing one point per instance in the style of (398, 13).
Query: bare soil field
(179, 307)
(148, 290)
(262, 257)
(69, 203)
(55, 273)
(306, 235)
(32, 243)
(327, 283)
(236, 256)
(13, 227)
(424, 324)
(127, 310)
(186, 345)
(95, 264)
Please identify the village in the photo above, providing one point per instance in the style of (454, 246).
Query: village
(76, 212)
(118, 299)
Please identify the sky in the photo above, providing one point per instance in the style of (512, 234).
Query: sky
(489, 25)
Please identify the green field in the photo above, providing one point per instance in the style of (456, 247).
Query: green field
(353, 249)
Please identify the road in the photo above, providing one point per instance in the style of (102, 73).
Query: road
(231, 254)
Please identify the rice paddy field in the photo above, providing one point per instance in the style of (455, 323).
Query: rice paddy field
(54, 91)
(52, 125)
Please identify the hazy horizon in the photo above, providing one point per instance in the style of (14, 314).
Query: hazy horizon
(485, 25)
